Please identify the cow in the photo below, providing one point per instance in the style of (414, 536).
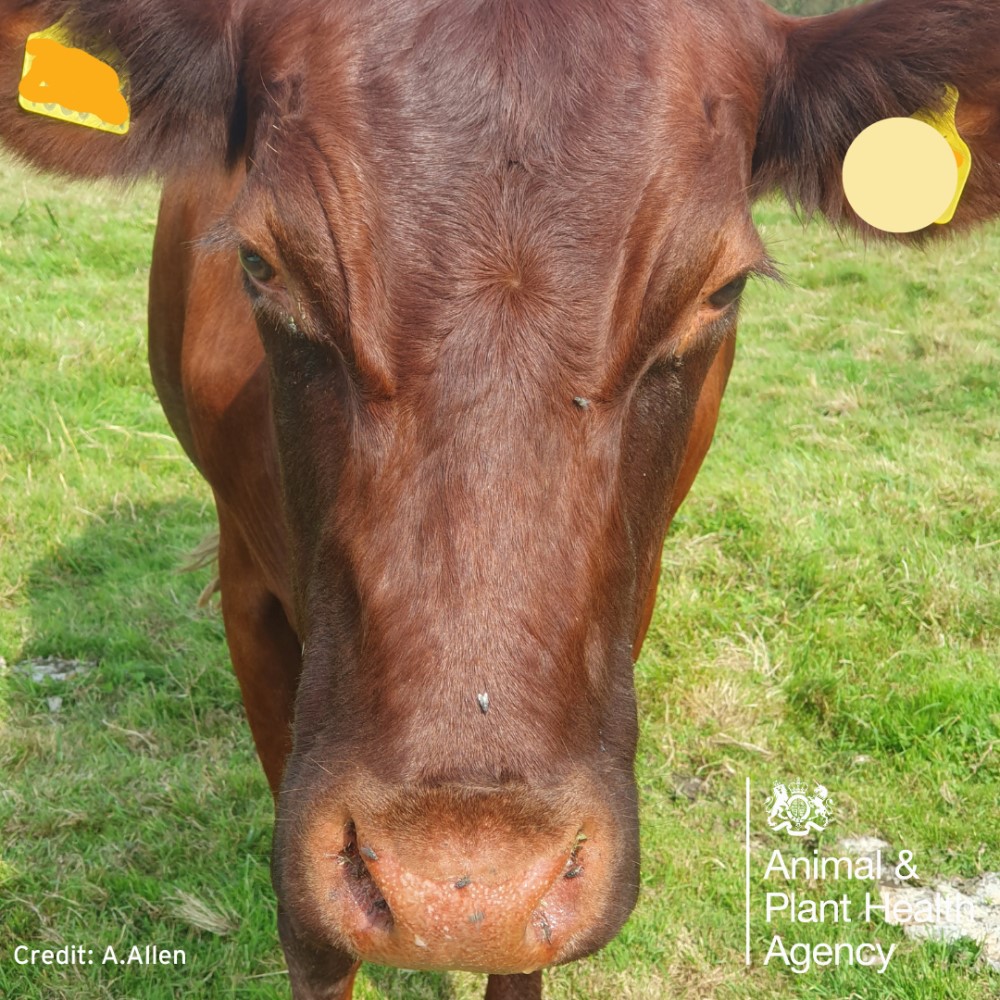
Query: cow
(443, 302)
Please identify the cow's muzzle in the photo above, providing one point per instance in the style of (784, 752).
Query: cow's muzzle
(485, 880)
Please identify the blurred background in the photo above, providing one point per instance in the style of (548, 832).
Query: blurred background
(807, 7)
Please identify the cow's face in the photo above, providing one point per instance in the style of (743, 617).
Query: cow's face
(495, 252)
(492, 258)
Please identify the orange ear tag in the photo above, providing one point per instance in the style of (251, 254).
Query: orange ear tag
(63, 82)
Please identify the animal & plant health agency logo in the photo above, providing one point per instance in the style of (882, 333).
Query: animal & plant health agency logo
(820, 909)
(796, 811)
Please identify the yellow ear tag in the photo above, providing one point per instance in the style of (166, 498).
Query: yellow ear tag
(944, 122)
(66, 83)
(902, 174)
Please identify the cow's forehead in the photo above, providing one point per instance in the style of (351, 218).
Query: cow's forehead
(585, 91)
(491, 82)
(585, 109)
(516, 154)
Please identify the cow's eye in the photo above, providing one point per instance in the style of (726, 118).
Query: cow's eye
(728, 293)
(255, 265)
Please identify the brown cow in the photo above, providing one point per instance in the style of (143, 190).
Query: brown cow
(492, 252)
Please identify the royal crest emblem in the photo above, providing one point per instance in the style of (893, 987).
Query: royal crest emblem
(794, 810)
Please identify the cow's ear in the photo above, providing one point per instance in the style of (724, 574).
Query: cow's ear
(831, 77)
(180, 64)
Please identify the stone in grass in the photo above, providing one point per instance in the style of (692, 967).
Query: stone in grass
(863, 847)
(941, 909)
(52, 667)
(872, 849)
(688, 786)
(949, 909)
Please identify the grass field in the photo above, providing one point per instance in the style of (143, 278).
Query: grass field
(830, 610)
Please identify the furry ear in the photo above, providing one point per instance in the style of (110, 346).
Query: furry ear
(182, 59)
(833, 76)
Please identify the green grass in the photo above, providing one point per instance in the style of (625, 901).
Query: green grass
(830, 610)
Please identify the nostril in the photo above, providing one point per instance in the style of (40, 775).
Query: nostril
(574, 866)
(558, 910)
(359, 882)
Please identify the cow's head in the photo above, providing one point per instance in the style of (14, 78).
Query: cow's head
(495, 250)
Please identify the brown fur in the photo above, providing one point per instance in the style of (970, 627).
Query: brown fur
(447, 437)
